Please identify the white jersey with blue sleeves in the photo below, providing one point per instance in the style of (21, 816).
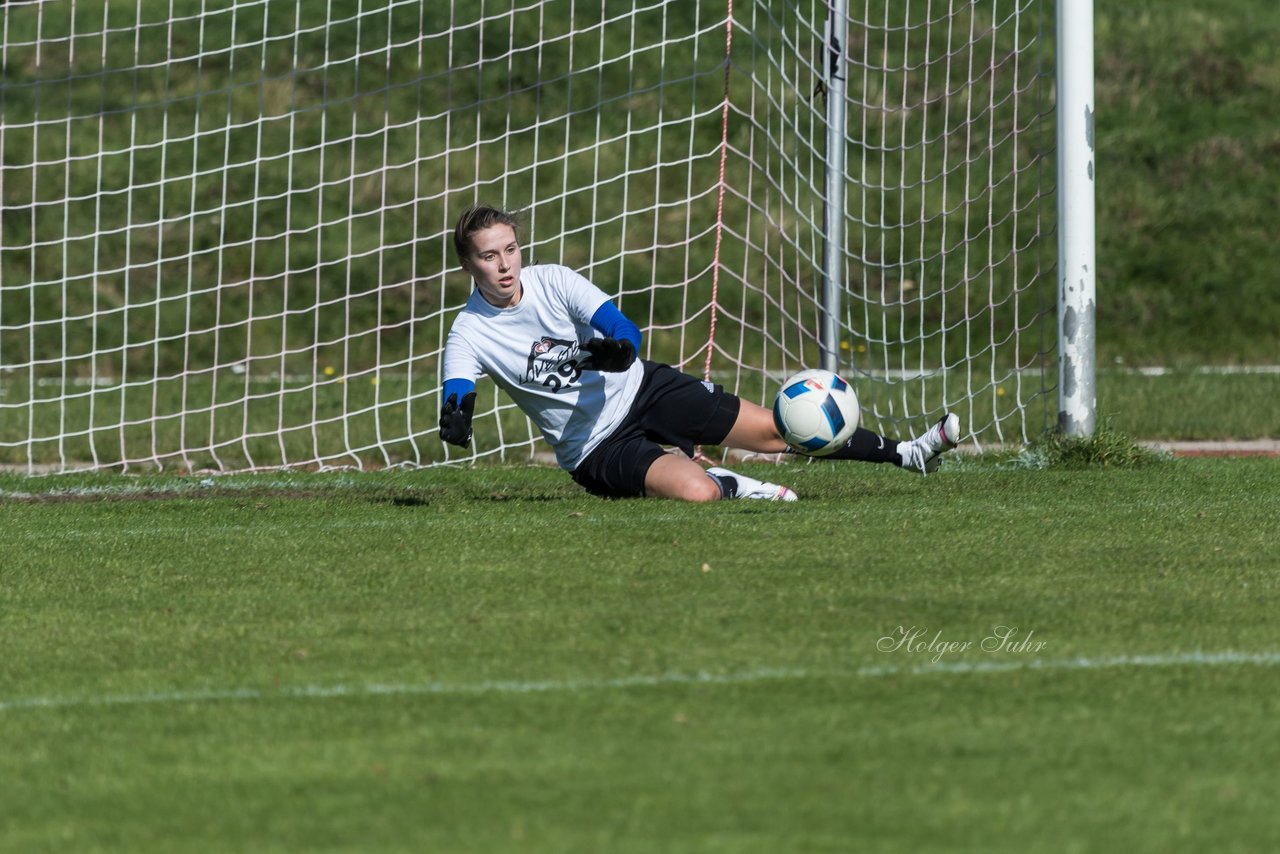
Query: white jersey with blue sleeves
(531, 351)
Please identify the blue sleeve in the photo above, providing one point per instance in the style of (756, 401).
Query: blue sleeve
(459, 387)
(614, 324)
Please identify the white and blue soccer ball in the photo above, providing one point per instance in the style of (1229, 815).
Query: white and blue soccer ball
(816, 411)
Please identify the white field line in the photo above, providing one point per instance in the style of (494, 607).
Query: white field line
(102, 534)
(185, 488)
(768, 674)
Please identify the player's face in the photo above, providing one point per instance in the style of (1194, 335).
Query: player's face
(494, 263)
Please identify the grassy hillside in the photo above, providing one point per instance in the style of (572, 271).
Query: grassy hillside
(1187, 189)
(294, 187)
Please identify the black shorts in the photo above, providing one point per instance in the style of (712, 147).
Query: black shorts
(671, 408)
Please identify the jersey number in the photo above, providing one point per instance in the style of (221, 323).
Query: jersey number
(565, 375)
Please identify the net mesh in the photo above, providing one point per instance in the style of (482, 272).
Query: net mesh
(225, 231)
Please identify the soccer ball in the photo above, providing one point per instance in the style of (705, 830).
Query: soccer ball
(816, 412)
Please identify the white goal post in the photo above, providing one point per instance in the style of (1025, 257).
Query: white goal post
(225, 225)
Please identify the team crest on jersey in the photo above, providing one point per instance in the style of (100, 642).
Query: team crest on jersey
(548, 356)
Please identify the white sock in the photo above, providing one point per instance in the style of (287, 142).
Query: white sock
(732, 484)
(904, 452)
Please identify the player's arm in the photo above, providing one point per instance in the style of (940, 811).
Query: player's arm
(620, 344)
(459, 391)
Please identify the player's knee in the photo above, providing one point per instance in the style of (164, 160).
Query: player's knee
(700, 489)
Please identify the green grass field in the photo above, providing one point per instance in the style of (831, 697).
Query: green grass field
(489, 660)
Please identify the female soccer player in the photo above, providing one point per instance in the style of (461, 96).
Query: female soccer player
(567, 357)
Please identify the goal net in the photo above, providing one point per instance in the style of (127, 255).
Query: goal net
(225, 227)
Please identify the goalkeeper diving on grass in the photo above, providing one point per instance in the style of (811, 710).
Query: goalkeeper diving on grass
(568, 357)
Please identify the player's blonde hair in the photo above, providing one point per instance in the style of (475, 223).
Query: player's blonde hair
(478, 218)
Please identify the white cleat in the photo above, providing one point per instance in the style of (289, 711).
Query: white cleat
(747, 487)
(924, 454)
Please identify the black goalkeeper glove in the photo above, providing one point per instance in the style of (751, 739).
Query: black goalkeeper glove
(455, 421)
(608, 354)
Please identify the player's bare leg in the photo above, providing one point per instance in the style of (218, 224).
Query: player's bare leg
(755, 431)
(676, 476)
